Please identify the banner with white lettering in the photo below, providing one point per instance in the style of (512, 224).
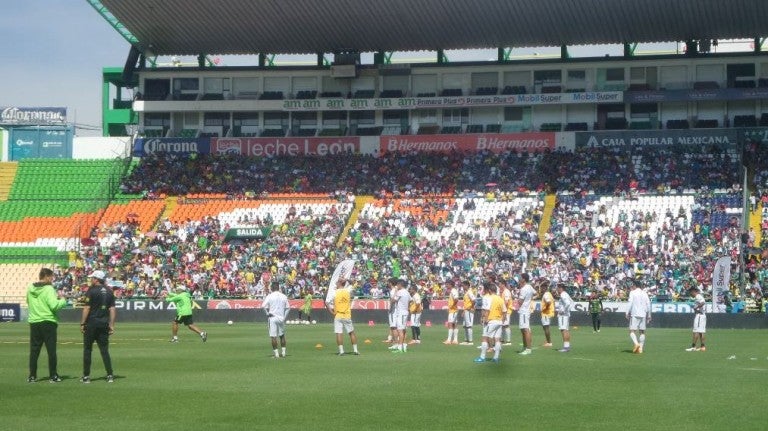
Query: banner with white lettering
(145, 146)
(10, 312)
(291, 146)
(721, 280)
(719, 94)
(14, 115)
(493, 142)
(723, 138)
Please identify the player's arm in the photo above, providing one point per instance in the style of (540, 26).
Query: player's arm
(112, 317)
(84, 317)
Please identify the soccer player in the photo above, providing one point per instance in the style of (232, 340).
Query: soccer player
(563, 308)
(547, 311)
(43, 304)
(494, 310)
(392, 335)
(97, 323)
(340, 306)
(453, 310)
(525, 297)
(183, 301)
(415, 307)
(699, 321)
(277, 307)
(639, 315)
(595, 307)
(506, 332)
(401, 300)
(469, 311)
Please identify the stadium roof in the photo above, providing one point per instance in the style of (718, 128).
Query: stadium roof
(190, 27)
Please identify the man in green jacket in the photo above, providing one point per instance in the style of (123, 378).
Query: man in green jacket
(183, 302)
(43, 304)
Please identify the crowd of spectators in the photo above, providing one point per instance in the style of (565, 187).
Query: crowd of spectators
(580, 248)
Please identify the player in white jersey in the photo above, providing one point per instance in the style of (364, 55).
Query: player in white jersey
(415, 308)
(563, 309)
(453, 311)
(699, 321)
(525, 298)
(401, 299)
(392, 335)
(639, 315)
(276, 306)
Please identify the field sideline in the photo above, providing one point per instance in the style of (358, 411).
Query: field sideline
(232, 383)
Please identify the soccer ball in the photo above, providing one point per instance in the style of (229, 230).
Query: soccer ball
(230, 323)
(314, 322)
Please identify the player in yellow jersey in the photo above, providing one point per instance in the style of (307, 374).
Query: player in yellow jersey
(506, 332)
(469, 311)
(415, 308)
(547, 310)
(453, 311)
(494, 310)
(340, 305)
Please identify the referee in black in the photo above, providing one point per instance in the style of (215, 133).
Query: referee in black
(97, 324)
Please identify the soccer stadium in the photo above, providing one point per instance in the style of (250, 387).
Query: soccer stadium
(573, 155)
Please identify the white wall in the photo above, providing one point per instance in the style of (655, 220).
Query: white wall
(97, 147)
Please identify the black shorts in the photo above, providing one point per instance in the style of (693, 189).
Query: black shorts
(187, 320)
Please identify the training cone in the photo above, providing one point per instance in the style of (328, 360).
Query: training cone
(318, 346)
(370, 323)
(367, 341)
(428, 324)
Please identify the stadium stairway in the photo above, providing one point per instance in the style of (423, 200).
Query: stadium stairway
(171, 202)
(7, 176)
(756, 223)
(360, 202)
(549, 205)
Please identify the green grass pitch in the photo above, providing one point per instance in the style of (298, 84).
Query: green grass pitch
(232, 382)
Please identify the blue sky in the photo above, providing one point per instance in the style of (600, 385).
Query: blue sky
(53, 54)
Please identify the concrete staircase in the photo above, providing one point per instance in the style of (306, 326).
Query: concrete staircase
(7, 176)
(546, 218)
(755, 223)
(171, 202)
(360, 202)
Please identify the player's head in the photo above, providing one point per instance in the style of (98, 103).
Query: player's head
(489, 287)
(401, 283)
(466, 285)
(274, 287)
(392, 282)
(526, 278)
(97, 277)
(412, 289)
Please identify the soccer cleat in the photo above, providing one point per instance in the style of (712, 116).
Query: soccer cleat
(110, 379)
(640, 350)
(340, 354)
(454, 342)
(636, 349)
(412, 342)
(173, 340)
(525, 352)
(479, 360)
(546, 345)
(85, 379)
(204, 336)
(691, 349)
(507, 343)
(702, 349)
(393, 347)
(356, 353)
(565, 350)
(54, 379)
(447, 342)
(387, 341)
(31, 379)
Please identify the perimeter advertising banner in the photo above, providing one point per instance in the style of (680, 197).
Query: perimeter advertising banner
(472, 143)
(291, 146)
(146, 146)
(14, 115)
(718, 94)
(658, 138)
(10, 312)
(40, 142)
(721, 280)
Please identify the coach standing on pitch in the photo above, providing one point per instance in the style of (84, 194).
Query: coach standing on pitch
(97, 324)
(43, 304)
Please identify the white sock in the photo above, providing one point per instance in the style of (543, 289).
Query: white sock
(389, 337)
(567, 344)
(496, 349)
(642, 340)
(469, 335)
(450, 335)
(354, 348)
(507, 335)
(276, 354)
(341, 349)
(483, 348)
(283, 351)
(633, 337)
(456, 335)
